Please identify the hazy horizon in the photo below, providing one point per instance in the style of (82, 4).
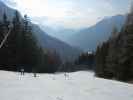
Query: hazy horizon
(69, 13)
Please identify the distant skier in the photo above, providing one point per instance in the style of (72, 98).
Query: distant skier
(66, 75)
(22, 71)
(34, 74)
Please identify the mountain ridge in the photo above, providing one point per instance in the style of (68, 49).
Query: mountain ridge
(64, 50)
(89, 38)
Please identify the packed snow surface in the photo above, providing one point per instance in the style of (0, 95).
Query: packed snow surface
(70, 86)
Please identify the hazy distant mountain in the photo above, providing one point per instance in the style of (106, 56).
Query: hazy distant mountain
(66, 52)
(60, 33)
(89, 38)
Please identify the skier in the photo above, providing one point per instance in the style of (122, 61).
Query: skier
(22, 71)
(66, 75)
(34, 72)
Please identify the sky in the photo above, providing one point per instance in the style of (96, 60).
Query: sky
(69, 13)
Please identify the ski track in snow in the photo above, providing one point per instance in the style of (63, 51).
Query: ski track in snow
(78, 86)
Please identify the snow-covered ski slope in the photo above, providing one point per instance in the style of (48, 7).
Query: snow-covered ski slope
(75, 86)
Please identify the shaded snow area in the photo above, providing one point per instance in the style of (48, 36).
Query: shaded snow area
(72, 86)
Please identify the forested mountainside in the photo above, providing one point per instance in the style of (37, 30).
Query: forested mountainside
(114, 58)
(65, 51)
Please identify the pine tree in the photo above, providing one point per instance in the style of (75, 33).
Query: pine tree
(29, 47)
(100, 57)
(5, 21)
(111, 58)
